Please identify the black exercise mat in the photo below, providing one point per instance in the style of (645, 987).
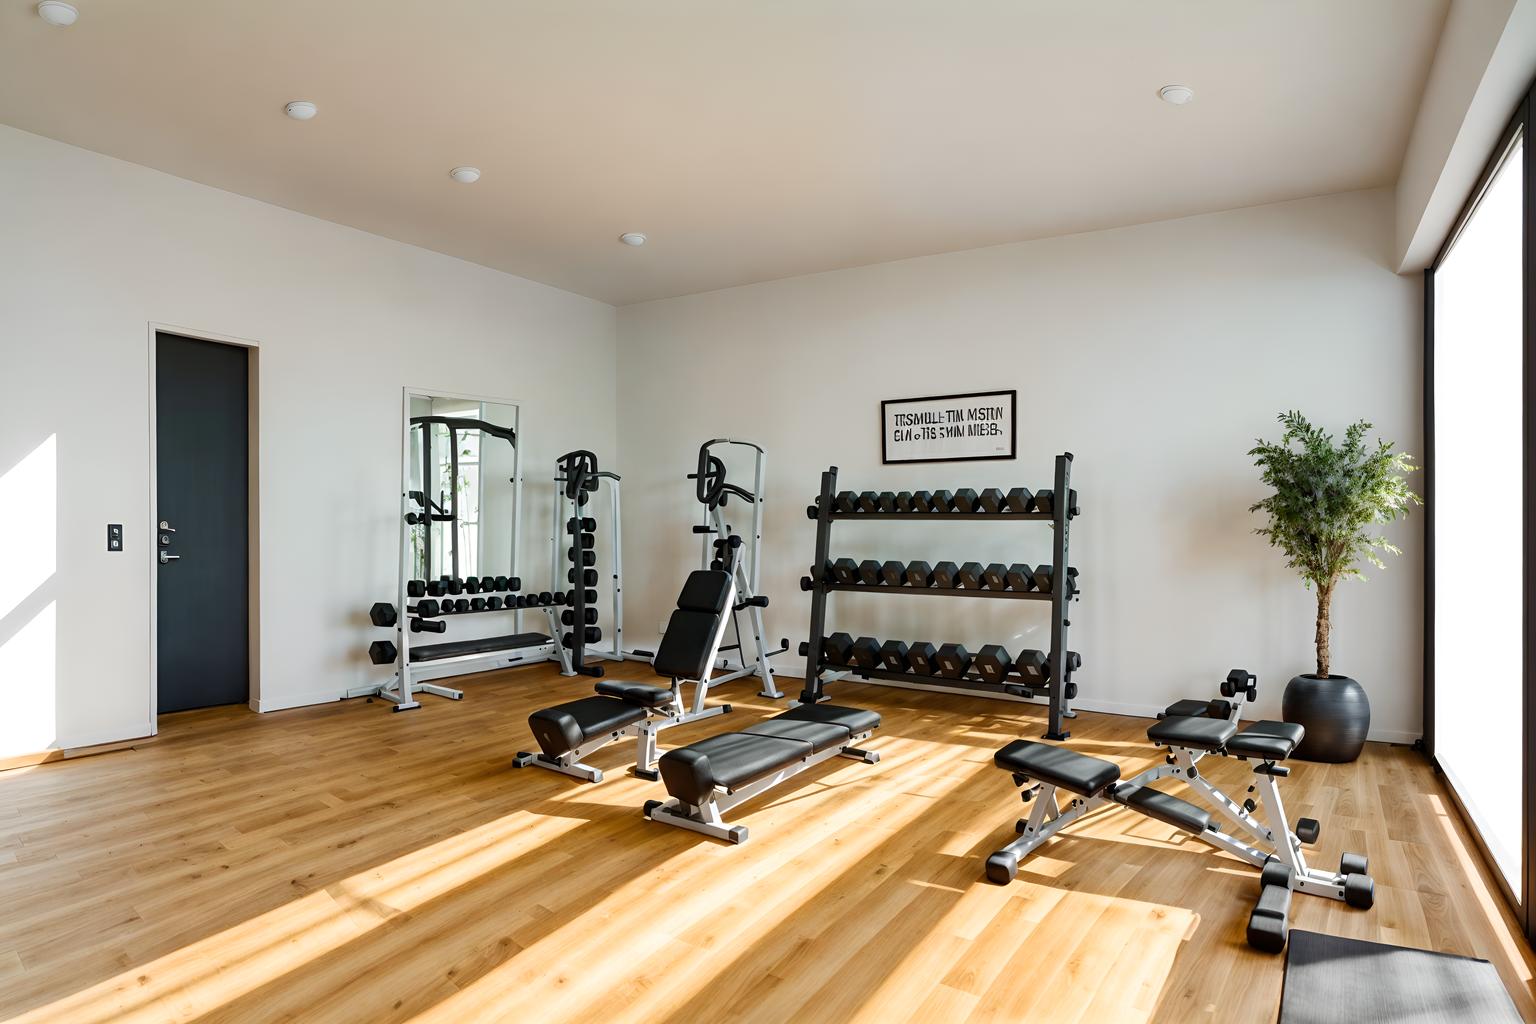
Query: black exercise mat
(1333, 980)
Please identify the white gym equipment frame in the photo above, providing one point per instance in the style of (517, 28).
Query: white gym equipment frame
(410, 679)
(748, 566)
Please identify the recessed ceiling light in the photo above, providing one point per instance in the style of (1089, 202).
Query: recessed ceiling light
(57, 12)
(632, 238)
(301, 110)
(465, 175)
(1178, 95)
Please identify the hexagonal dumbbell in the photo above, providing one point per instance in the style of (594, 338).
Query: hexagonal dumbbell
(946, 575)
(922, 658)
(887, 501)
(919, 574)
(991, 499)
(893, 656)
(382, 614)
(1045, 578)
(846, 501)
(1020, 577)
(382, 652)
(1045, 501)
(836, 649)
(922, 501)
(865, 653)
(894, 573)
(995, 576)
(954, 661)
(904, 501)
(942, 501)
(993, 663)
(869, 572)
(970, 576)
(964, 500)
(845, 570)
(1032, 667)
(869, 501)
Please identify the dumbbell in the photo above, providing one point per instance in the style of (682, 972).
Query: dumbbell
(1238, 681)
(942, 501)
(416, 588)
(588, 577)
(965, 500)
(477, 604)
(836, 649)
(946, 575)
(437, 588)
(428, 626)
(455, 585)
(1033, 667)
(919, 574)
(426, 609)
(589, 635)
(1074, 661)
(893, 656)
(922, 658)
(845, 570)
(1020, 577)
(868, 501)
(382, 614)
(583, 524)
(995, 576)
(992, 500)
(894, 573)
(382, 652)
(846, 501)
(887, 501)
(586, 557)
(568, 617)
(545, 597)
(1045, 576)
(472, 584)
(971, 576)
(953, 661)
(922, 501)
(461, 606)
(583, 540)
(993, 663)
(1045, 501)
(869, 572)
(904, 502)
(561, 597)
(865, 653)
(494, 603)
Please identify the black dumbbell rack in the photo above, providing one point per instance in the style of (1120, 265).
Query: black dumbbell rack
(1060, 596)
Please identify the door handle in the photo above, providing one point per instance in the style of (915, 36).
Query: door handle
(164, 558)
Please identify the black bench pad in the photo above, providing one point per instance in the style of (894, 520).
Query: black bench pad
(1266, 740)
(1164, 807)
(1057, 766)
(639, 694)
(1193, 733)
(855, 720)
(565, 727)
(820, 735)
(731, 760)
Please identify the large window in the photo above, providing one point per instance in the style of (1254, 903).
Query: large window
(1480, 454)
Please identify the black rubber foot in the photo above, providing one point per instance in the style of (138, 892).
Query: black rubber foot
(728, 708)
(1002, 867)
(1058, 736)
(1354, 864)
(1359, 891)
(651, 805)
(648, 774)
(1308, 829)
(1266, 933)
(523, 759)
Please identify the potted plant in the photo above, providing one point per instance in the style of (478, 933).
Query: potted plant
(1324, 515)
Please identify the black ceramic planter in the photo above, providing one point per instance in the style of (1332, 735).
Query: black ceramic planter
(1335, 712)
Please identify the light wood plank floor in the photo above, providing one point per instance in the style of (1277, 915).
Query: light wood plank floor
(345, 863)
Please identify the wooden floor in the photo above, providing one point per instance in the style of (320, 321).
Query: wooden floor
(345, 863)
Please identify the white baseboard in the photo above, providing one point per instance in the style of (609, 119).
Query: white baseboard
(296, 700)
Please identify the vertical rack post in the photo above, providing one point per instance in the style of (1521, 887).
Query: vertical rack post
(812, 692)
(1061, 598)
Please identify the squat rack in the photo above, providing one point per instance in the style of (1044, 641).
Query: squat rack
(818, 671)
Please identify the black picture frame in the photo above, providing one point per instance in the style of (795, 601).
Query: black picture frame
(1011, 394)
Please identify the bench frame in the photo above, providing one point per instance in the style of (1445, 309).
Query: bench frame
(709, 817)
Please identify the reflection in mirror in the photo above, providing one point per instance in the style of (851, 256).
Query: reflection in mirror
(463, 458)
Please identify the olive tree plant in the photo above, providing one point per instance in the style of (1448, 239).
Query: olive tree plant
(1328, 503)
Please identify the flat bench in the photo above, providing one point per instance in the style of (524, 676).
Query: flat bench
(715, 774)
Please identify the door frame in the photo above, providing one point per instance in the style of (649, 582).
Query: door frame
(253, 519)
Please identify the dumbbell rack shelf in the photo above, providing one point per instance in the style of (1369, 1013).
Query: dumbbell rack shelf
(1014, 595)
(1060, 597)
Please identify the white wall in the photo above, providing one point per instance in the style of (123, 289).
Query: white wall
(93, 250)
(1155, 353)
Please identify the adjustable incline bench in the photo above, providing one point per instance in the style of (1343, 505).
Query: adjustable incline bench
(1190, 730)
(715, 774)
(568, 733)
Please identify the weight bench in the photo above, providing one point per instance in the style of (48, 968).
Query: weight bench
(569, 733)
(1042, 769)
(707, 778)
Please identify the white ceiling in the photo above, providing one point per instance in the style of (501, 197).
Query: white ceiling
(750, 139)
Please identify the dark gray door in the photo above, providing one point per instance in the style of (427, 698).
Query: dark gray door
(201, 457)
